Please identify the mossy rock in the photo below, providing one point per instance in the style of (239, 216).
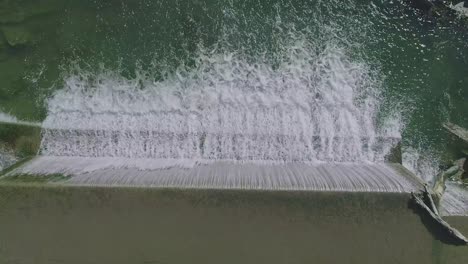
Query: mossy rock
(17, 35)
(7, 156)
(27, 146)
(23, 139)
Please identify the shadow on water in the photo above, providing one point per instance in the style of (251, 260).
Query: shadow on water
(434, 227)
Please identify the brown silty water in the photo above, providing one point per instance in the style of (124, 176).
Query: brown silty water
(57, 224)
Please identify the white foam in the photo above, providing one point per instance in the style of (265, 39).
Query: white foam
(312, 107)
(7, 157)
(460, 8)
(348, 177)
(79, 165)
(4, 117)
(422, 163)
(7, 118)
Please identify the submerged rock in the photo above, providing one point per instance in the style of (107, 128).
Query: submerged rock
(17, 35)
(424, 5)
(456, 173)
(461, 8)
(452, 171)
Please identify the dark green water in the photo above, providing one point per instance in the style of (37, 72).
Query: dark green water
(421, 62)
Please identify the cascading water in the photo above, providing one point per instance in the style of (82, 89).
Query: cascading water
(311, 107)
(285, 86)
(7, 158)
(4, 117)
(288, 87)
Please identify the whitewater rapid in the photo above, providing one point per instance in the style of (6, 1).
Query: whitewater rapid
(312, 107)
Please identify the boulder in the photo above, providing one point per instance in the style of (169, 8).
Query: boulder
(457, 173)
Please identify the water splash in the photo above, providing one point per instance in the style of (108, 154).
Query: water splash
(7, 157)
(422, 163)
(313, 106)
(342, 177)
(287, 87)
(4, 117)
(455, 200)
(7, 118)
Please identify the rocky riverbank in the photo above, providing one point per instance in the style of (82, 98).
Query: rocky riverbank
(17, 142)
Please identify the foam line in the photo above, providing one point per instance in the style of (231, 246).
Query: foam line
(9, 119)
(348, 177)
(312, 107)
(212, 146)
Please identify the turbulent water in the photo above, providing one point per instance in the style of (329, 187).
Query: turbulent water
(7, 157)
(7, 118)
(281, 81)
(311, 102)
(310, 107)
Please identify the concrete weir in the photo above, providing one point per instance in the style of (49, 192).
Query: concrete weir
(347, 177)
(119, 210)
(454, 201)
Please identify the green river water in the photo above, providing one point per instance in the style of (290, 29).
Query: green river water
(418, 63)
(415, 65)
